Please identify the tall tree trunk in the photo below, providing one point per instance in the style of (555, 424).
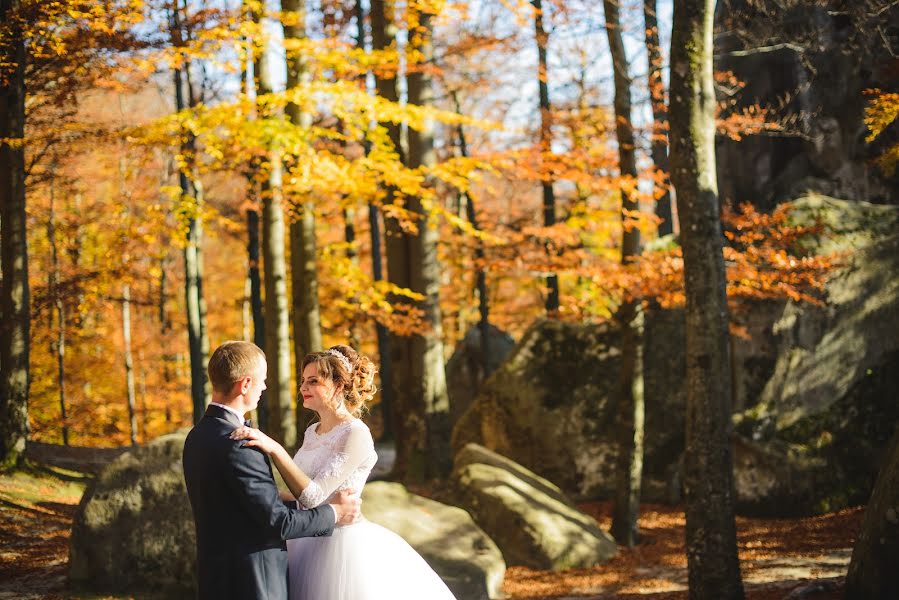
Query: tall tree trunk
(713, 565)
(480, 274)
(305, 308)
(59, 347)
(15, 315)
(393, 349)
(191, 192)
(659, 143)
(349, 235)
(875, 557)
(279, 400)
(629, 469)
(549, 198)
(386, 391)
(129, 364)
(254, 277)
(424, 425)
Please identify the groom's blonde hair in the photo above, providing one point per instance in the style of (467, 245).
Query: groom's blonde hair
(231, 362)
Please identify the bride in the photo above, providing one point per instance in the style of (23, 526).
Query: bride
(362, 561)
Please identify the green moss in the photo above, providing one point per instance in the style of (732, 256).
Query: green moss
(852, 435)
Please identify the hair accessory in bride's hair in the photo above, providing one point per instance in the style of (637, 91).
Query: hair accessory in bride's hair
(342, 358)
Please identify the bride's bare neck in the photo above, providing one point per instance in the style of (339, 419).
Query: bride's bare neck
(330, 419)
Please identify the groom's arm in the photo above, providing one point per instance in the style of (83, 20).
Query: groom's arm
(251, 480)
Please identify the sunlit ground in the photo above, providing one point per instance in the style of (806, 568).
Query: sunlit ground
(777, 555)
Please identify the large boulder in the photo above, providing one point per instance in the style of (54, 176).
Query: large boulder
(134, 530)
(530, 518)
(446, 537)
(831, 398)
(550, 406)
(814, 386)
(466, 369)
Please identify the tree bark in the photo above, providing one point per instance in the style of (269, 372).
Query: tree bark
(394, 349)
(549, 199)
(659, 143)
(629, 469)
(480, 274)
(59, 347)
(306, 309)
(192, 193)
(421, 399)
(713, 565)
(254, 273)
(875, 558)
(129, 363)
(15, 306)
(279, 401)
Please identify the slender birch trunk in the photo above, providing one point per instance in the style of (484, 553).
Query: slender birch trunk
(59, 347)
(129, 363)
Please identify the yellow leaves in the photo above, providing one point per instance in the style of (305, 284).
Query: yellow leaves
(882, 112)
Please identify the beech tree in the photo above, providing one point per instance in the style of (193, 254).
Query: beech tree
(15, 312)
(306, 312)
(712, 562)
(549, 199)
(279, 401)
(875, 557)
(659, 131)
(191, 203)
(421, 400)
(629, 423)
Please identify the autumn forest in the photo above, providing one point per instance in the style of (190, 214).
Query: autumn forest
(487, 198)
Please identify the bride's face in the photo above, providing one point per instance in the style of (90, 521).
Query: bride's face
(318, 392)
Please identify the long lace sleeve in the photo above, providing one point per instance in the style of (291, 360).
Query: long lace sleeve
(346, 457)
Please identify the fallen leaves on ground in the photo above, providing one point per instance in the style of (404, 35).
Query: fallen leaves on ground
(37, 508)
(657, 567)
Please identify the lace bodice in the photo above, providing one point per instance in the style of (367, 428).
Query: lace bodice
(337, 460)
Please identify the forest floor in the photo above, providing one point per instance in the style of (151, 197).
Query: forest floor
(796, 558)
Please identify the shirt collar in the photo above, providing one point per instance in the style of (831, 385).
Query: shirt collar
(230, 410)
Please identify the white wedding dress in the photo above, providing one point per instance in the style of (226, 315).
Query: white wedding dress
(362, 561)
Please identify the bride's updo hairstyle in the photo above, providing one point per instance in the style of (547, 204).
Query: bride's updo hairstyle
(346, 367)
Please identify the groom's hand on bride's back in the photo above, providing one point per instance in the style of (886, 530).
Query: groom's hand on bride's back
(346, 506)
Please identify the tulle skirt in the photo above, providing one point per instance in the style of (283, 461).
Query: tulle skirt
(363, 561)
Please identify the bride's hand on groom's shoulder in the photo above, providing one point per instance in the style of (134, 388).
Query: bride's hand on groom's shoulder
(255, 439)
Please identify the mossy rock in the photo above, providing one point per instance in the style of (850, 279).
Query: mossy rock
(134, 531)
(467, 560)
(550, 408)
(530, 519)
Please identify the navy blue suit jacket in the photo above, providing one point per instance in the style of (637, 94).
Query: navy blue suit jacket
(241, 521)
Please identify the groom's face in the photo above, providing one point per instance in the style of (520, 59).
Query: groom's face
(257, 384)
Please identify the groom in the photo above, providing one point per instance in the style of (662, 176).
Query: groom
(241, 522)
